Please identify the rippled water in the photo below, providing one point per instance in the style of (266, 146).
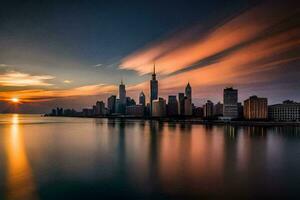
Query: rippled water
(75, 158)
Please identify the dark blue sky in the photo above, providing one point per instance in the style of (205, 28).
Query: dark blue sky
(58, 36)
(75, 52)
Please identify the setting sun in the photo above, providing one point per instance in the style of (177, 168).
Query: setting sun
(15, 100)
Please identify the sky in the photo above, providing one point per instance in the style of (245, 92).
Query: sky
(73, 53)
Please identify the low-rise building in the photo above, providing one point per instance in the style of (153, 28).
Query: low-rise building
(135, 110)
(159, 108)
(255, 108)
(287, 111)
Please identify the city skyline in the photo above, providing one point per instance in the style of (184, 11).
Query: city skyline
(74, 55)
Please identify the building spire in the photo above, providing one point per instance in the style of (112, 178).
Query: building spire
(154, 68)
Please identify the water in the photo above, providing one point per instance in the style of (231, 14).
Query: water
(74, 158)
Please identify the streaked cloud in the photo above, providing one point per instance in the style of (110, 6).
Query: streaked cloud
(19, 79)
(190, 47)
(40, 95)
(98, 65)
(5, 65)
(68, 81)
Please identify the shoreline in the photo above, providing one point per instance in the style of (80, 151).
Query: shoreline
(195, 120)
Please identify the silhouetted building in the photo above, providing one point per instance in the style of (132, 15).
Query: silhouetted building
(188, 109)
(130, 101)
(230, 100)
(53, 113)
(118, 108)
(287, 111)
(208, 109)
(59, 111)
(172, 106)
(153, 88)
(181, 104)
(256, 108)
(111, 104)
(188, 91)
(135, 110)
(122, 97)
(218, 109)
(240, 110)
(142, 99)
(198, 112)
(87, 112)
(100, 108)
(159, 108)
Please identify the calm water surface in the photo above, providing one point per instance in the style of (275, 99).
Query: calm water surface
(74, 158)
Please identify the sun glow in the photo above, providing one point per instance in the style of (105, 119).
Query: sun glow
(15, 100)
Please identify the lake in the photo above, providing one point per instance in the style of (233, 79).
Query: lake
(81, 158)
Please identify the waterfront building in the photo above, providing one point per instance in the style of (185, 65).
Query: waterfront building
(172, 106)
(122, 97)
(181, 104)
(153, 88)
(59, 111)
(240, 110)
(118, 106)
(198, 112)
(159, 108)
(100, 108)
(256, 108)
(53, 113)
(188, 91)
(130, 101)
(287, 111)
(135, 110)
(142, 99)
(188, 109)
(230, 103)
(208, 109)
(87, 112)
(111, 104)
(218, 109)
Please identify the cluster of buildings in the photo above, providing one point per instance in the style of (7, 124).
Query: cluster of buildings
(254, 108)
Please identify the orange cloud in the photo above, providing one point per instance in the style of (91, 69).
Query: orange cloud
(253, 63)
(180, 52)
(19, 79)
(38, 95)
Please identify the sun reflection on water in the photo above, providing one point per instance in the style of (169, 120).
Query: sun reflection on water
(20, 182)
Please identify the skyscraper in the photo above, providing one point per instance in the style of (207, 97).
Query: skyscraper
(188, 109)
(172, 106)
(111, 104)
(122, 93)
(188, 91)
(159, 108)
(208, 109)
(100, 108)
(230, 100)
(142, 99)
(122, 97)
(153, 88)
(181, 104)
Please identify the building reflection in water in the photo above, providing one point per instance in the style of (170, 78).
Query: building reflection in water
(20, 182)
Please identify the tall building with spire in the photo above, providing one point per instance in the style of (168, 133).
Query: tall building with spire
(188, 91)
(153, 88)
(122, 97)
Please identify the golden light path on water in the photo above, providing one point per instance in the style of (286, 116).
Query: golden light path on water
(20, 182)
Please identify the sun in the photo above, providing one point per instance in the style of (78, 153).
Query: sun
(15, 100)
